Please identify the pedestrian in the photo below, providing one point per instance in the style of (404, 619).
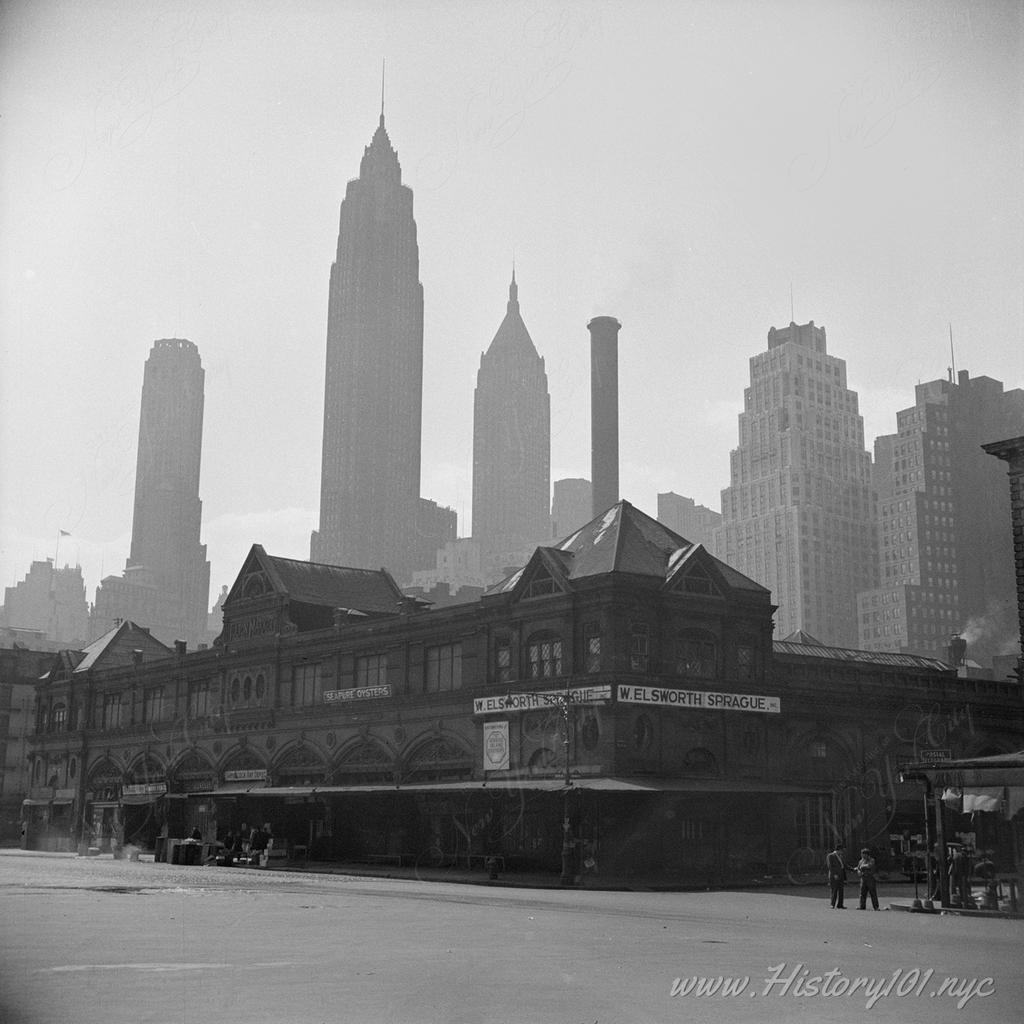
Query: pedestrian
(959, 876)
(868, 884)
(836, 867)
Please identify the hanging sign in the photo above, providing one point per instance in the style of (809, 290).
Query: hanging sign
(495, 746)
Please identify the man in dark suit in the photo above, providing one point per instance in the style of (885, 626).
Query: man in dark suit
(836, 867)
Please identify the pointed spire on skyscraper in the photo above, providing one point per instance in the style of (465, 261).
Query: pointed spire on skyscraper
(513, 289)
(382, 62)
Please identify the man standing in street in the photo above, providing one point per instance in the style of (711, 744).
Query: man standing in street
(836, 867)
(868, 886)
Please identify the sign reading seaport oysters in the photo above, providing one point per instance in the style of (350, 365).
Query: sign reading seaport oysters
(629, 694)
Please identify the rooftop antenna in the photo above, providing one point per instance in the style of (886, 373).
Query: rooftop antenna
(952, 358)
(382, 62)
(792, 318)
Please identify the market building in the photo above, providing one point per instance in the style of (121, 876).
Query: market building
(618, 700)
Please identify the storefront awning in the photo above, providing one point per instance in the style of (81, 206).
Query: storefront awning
(29, 802)
(550, 785)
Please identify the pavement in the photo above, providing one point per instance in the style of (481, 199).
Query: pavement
(895, 894)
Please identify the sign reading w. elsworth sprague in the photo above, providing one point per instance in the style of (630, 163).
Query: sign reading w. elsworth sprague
(530, 701)
(629, 694)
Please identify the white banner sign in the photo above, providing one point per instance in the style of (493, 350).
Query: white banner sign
(697, 699)
(359, 693)
(246, 775)
(495, 746)
(532, 701)
(143, 789)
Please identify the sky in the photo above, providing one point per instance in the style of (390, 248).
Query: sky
(702, 171)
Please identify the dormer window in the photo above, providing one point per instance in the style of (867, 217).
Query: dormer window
(541, 584)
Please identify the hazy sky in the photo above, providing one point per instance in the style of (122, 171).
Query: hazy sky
(175, 170)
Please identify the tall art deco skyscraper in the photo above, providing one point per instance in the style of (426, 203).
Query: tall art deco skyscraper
(166, 582)
(511, 446)
(798, 516)
(370, 477)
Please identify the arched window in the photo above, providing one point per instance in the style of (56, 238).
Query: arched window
(696, 655)
(639, 647)
(58, 717)
(544, 656)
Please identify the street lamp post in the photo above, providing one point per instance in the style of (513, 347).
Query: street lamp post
(563, 701)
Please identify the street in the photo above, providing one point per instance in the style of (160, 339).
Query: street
(88, 940)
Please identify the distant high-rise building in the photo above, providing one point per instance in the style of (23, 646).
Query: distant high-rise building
(572, 505)
(166, 583)
(511, 446)
(946, 558)
(798, 516)
(690, 520)
(604, 411)
(370, 477)
(51, 600)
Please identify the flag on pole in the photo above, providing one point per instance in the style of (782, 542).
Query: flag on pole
(65, 533)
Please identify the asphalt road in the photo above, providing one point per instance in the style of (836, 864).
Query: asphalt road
(96, 940)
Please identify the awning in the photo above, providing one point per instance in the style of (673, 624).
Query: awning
(62, 801)
(136, 799)
(546, 785)
(29, 802)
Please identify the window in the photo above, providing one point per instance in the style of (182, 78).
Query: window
(639, 647)
(745, 661)
(305, 683)
(503, 660)
(696, 656)
(444, 668)
(544, 655)
(540, 584)
(372, 670)
(592, 647)
(58, 717)
(819, 750)
(153, 704)
(111, 711)
(199, 703)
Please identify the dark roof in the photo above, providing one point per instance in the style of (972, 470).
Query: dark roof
(335, 586)
(801, 637)
(819, 650)
(625, 540)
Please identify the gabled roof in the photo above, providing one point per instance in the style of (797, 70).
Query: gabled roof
(625, 540)
(114, 648)
(365, 591)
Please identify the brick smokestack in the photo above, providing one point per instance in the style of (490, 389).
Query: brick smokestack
(604, 411)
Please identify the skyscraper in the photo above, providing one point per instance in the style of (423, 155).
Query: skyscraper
(684, 516)
(798, 514)
(370, 475)
(946, 561)
(604, 411)
(511, 446)
(166, 582)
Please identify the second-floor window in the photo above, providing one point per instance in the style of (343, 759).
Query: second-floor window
(544, 656)
(111, 716)
(372, 670)
(503, 661)
(696, 656)
(639, 647)
(305, 685)
(199, 703)
(592, 647)
(443, 668)
(153, 704)
(59, 717)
